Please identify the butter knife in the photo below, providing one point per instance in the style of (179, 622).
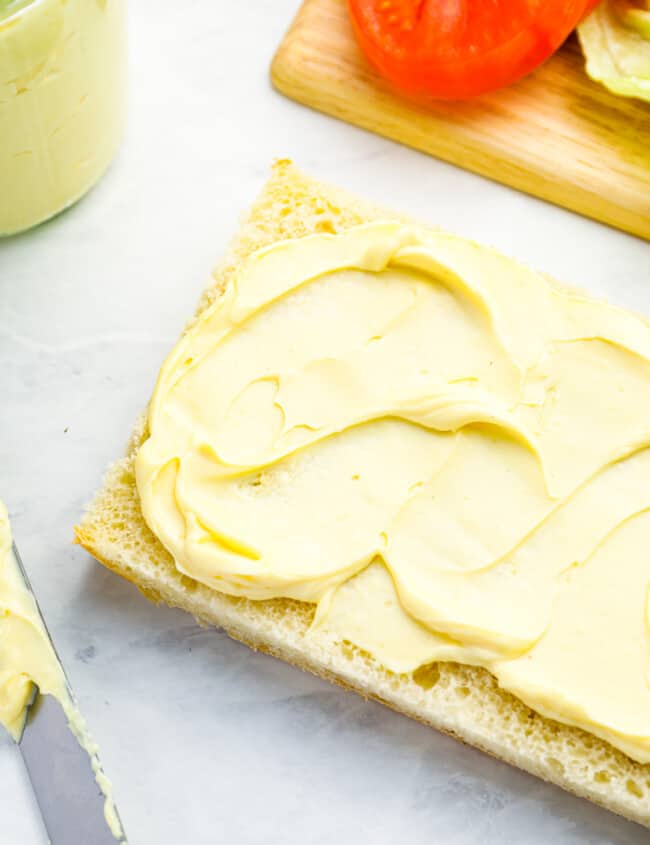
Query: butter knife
(65, 775)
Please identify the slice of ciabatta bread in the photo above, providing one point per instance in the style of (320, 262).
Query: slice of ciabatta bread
(460, 700)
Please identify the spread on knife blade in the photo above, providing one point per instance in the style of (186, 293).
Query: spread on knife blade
(443, 450)
(61, 103)
(26, 654)
(27, 658)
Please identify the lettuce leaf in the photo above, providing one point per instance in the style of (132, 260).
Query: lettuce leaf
(615, 39)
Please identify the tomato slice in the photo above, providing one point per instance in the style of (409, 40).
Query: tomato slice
(453, 49)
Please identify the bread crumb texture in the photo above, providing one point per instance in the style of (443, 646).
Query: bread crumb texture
(463, 701)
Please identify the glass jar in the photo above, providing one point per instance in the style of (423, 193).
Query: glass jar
(62, 87)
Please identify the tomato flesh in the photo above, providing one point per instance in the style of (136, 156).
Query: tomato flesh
(454, 49)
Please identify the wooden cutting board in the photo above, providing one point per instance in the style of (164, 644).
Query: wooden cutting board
(555, 134)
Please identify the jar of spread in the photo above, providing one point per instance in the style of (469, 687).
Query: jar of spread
(62, 74)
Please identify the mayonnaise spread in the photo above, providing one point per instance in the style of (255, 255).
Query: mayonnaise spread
(26, 654)
(445, 452)
(62, 66)
(27, 659)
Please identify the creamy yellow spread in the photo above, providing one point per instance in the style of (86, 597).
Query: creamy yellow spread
(26, 654)
(443, 450)
(61, 103)
(28, 661)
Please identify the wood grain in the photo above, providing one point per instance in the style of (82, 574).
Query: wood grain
(555, 134)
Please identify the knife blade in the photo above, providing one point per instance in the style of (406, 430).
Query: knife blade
(66, 774)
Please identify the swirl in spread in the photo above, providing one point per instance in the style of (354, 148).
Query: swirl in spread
(443, 450)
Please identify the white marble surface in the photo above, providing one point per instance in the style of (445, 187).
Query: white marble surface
(206, 741)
